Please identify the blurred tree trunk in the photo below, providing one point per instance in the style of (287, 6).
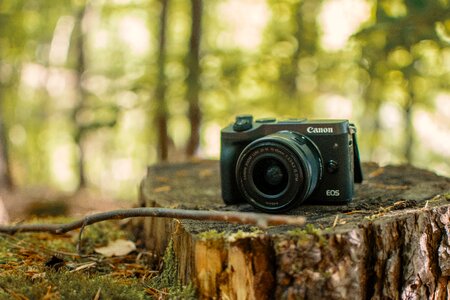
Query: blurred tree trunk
(409, 124)
(161, 118)
(79, 135)
(306, 35)
(6, 181)
(193, 78)
(372, 61)
(370, 124)
(83, 127)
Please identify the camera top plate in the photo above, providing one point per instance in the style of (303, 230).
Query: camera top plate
(244, 127)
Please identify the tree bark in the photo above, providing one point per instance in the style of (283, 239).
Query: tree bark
(6, 181)
(79, 135)
(391, 242)
(193, 78)
(161, 118)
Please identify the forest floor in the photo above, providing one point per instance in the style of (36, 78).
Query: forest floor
(22, 204)
(108, 263)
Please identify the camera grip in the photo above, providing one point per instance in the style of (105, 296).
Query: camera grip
(228, 158)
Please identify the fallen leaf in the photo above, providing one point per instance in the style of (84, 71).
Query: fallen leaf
(376, 173)
(4, 217)
(205, 173)
(161, 189)
(117, 248)
(162, 179)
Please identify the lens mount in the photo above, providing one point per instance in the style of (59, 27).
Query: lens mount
(279, 171)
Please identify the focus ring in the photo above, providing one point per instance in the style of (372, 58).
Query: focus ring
(279, 171)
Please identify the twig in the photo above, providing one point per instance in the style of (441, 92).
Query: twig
(335, 221)
(261, 220)
(84, 266)
(97, 296)
(80, 234)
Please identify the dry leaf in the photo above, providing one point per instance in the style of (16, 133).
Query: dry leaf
(376, 173)
(117, 248)
(4, 218)
(162, 189)
(205, 173)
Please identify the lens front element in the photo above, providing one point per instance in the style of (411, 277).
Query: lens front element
(270, 175)
(279, 171)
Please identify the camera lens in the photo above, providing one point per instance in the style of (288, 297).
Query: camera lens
(270, 175)
(279, 171)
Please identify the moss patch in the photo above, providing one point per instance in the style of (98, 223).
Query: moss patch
(168, 282)
(45, 266)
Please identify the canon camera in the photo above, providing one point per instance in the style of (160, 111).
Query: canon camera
(277, 165)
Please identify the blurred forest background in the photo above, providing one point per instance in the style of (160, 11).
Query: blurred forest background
(92, 91)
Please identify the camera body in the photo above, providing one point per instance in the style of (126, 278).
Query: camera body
(277, 165)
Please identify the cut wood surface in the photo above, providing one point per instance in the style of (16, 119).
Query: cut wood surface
(391, 242)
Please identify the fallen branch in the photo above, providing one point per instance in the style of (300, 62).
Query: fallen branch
(257, 219)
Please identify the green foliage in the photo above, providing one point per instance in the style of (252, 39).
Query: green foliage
(268, 58)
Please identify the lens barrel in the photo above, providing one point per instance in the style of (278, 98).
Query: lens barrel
(279, 171)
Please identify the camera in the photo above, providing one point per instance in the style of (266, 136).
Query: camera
(277, 165)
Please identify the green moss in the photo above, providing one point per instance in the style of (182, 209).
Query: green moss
(307, 233)
(168, 278)
(23, 259)
(299, 232)
(447, 196)
(244, 234)
(211, 234)
(65, 285)
(309, 229)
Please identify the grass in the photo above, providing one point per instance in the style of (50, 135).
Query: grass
(45, 266)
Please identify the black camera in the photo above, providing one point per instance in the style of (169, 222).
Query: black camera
(277, 165)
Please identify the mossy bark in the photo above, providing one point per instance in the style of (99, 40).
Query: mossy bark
(391, 242)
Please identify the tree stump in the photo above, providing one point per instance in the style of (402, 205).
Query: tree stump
(391, 242)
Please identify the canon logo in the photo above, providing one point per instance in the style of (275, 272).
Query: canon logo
(319, 130)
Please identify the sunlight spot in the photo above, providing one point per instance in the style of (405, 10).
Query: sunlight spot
(134, 32)
(211, 140)
(245, 21)
(443, 104)
(335, 106)
(438, 141)
(340, 19)
(391, 116)
(34, 75)
(122, 169)
(61, 167)
(57, 82)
